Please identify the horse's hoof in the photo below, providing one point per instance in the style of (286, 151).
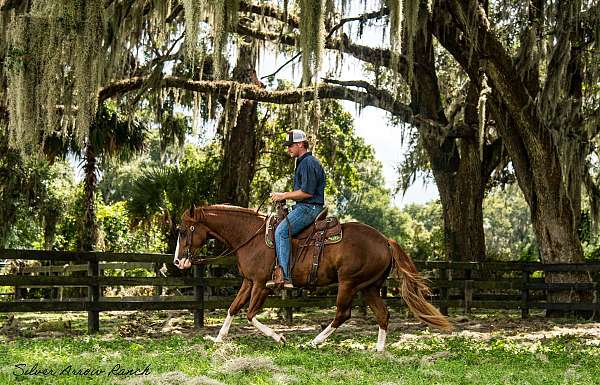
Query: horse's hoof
(280, 339)
(213, 339)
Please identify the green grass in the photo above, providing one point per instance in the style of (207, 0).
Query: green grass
(511, 355)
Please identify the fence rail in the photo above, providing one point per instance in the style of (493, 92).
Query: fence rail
(466, 285)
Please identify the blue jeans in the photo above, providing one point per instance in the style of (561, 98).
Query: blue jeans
(299, 218)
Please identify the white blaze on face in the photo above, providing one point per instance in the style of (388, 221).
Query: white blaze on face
(176, 258)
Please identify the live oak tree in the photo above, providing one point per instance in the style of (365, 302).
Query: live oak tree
(545, 104)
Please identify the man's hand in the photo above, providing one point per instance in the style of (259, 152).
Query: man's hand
(278, 196)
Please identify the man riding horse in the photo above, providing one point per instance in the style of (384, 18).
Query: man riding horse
(309, 194)
(358, 262)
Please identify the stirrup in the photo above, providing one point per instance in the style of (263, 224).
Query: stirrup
(288, 284)
(277, 279)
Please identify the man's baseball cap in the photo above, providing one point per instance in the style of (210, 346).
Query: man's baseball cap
(294, 136)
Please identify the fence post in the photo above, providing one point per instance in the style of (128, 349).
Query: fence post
(444, 291)
(384, 290)
(157, 289)
(362, 307)
(288, 312)
(93, 297)
(468, 291)
(596, 299)
(54, 289)
(524, 292)
(18, 290)
(199, 298)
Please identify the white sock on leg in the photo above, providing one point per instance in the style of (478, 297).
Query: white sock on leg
(323, 335)
(267, 330)
(381, 340)
(225, 328)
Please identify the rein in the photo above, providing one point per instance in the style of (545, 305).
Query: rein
(262, 203)
(227, 253)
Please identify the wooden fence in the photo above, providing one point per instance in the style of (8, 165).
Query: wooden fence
(491, 285)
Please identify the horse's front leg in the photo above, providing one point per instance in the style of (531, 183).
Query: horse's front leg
(240, 300)
(257, 299)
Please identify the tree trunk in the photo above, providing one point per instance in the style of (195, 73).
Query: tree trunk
(461, 195)
(459, 172)
(540, 178)
(89, 236)
(555, 227)
(241, 143)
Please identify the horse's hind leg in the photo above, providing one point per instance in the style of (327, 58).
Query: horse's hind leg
(342, 314)
(257, 299)
(240, 300)
(373, 299)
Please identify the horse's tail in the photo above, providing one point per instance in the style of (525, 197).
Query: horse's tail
(414, 290)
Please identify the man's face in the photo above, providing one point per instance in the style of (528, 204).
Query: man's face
(294, 149)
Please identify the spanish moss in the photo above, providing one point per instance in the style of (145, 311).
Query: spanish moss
(193, 15)
(312, 39)
(225, 19)
(396, 17)
(485, 90)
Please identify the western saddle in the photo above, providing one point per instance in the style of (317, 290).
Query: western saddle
(324, 231)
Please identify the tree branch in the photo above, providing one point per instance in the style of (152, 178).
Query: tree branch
(374, 97)
(7, 5)
(594, 195)
(494, 59)
(293, 21)
(378, 98)
(364, 17)
(331, 32)
(592, 124)
(272, 11)
(493, 156)
(282, 66)
(515, 146)
(388, 103)
(174, 13)
(376, 56)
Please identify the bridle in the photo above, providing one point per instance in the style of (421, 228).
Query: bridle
(187, 253)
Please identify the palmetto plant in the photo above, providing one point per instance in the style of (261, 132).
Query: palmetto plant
(163, 193)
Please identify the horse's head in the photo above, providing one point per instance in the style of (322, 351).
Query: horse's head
(192, 235)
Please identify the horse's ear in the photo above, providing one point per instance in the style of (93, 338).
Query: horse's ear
(192, 210)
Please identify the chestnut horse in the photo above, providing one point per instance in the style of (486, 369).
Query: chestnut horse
(360, 262)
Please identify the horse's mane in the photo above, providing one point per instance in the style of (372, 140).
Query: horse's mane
(232, 208)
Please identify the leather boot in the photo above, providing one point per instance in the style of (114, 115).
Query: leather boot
(277, 278)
